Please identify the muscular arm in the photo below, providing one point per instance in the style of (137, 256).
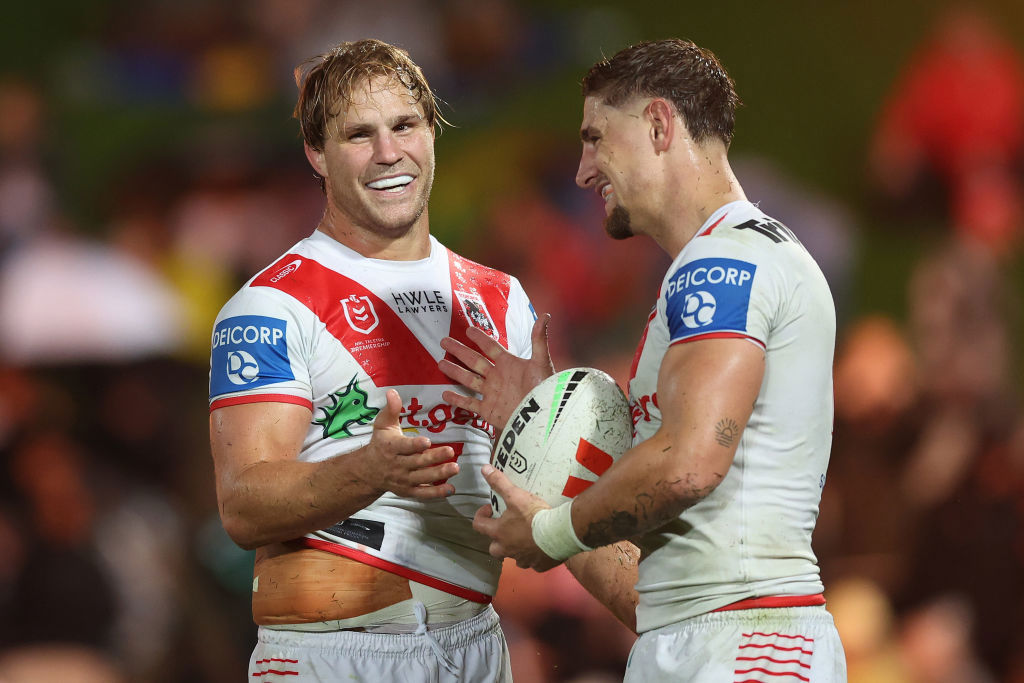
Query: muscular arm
(706, 393)
(265, 494)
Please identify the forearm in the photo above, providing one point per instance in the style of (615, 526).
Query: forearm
(280, 500)
(610, 575)
(649, 486)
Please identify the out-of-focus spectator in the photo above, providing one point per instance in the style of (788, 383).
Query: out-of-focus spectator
(962, 478)
(823, 225)
(955, 120)
(868, 626)
(936, 644)
(865, 520)
(27, 202)
(67, 299)
(59, 662)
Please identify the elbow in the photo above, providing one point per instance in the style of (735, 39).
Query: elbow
(244, 534)
(690, 487)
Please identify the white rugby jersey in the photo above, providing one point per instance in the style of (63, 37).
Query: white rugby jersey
(743, 275)
(331, 330)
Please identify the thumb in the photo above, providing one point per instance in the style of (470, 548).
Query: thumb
(392, 410)
(539, 339)
(498, 482)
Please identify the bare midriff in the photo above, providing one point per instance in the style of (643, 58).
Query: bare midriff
(298, 585)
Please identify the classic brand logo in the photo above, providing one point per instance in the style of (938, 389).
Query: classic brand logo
(360, 314)
(287, 270)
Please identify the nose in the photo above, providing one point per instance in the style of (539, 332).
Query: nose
(386, 149)
(587, 172)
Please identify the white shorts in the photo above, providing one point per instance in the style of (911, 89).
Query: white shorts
(798, 644)
(473, 651)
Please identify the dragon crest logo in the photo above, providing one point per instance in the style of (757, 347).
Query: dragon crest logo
(348, 408)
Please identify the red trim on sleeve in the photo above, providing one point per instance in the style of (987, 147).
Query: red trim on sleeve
(775, 601)
(640, 347)
(260, 398)
(412, 574)
(719, 335)
(707, 230)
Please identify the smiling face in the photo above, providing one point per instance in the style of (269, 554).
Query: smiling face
(378, 165)
(612, 142)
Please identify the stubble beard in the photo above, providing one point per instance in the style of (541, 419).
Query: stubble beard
(617, 225)
(380, 223)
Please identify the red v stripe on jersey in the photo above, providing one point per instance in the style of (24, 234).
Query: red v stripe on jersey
(372, 332)
(389, 352)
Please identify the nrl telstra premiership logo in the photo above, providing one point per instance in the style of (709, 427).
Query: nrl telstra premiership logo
(360, 314)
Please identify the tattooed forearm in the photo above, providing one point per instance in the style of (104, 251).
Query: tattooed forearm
(647, 513)
(621, 524)
(726, 432)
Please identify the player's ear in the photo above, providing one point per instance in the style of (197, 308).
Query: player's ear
(661, 117)
(316, 159)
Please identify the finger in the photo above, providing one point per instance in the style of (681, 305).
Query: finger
(470, 403)
(428, 457)
(486, 343)
(498, 481)
(539, 339)
(483, 522)
(433, 476)
(461, 375)
(392, 410)
(467, 356)
(429, 492)
(405, 445)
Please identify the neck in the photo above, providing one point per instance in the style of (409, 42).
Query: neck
(700, 188)
(411, 244)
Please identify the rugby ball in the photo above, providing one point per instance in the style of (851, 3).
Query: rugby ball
(563, 435)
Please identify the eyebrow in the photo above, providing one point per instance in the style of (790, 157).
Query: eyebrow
(354, 128)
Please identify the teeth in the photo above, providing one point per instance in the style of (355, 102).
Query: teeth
(389, 183)
(606, 191)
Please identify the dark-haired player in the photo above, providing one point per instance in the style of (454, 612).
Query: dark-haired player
(730, 391)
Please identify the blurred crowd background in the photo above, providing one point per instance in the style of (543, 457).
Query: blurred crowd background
(149, 165)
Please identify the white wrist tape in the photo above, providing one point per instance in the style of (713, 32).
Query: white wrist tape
(553, 533)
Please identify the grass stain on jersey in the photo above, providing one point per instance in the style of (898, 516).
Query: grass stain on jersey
(348, 408)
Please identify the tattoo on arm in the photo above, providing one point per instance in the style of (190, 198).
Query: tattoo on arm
(726, 432)
(623, 524)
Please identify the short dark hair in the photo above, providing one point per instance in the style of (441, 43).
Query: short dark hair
(687, 75)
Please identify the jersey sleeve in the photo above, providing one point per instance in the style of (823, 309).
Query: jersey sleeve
(519, 321)
(258, 353)
(719, 289)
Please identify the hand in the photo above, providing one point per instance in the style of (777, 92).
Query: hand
(406, 466)
(500, 377)
(512, 534)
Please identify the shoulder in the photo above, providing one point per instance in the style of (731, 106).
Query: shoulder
(267, 289)
(475, 269)
(467, 274)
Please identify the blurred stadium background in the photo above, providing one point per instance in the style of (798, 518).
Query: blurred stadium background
(149, 165)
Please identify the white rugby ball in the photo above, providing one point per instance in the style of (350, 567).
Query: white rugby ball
(563, 435)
